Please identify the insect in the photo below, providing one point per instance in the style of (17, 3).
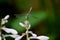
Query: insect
(29, 14)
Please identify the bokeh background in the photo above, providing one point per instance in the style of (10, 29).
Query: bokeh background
(44, 18)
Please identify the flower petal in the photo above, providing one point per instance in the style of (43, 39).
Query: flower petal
(34, 35)
(18, 38)
(8, 30)
(21, 24)
(13, 31)
(43, 37)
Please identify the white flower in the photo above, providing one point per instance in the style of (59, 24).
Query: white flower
(26, 24)
(40, 37)
(37, 37)
(43, 37)
(18, 38)
(6, 17)
(9, 30)
(33, 34)
(13, 31)
(4, 20)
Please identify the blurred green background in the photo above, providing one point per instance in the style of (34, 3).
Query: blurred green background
(44, 18)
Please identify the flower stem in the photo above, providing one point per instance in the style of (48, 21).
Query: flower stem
(27, 34)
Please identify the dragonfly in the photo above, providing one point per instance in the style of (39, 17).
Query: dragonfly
(29, 14)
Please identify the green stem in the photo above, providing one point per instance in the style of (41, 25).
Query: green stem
(27, 34)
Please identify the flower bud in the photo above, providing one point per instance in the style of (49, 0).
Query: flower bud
(22, 24)
(6, 17)
(27, 24)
